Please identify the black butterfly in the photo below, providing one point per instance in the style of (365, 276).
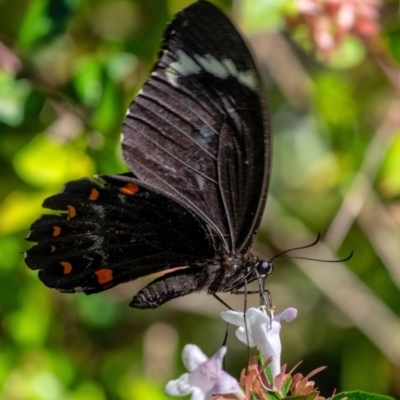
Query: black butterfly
(197, 140)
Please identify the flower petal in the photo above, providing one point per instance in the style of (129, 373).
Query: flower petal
(227, 384)
(346, 16)
(233, 317)
(246, 339)
(192, 357)
(179, 387)
(206, 375)
(256, 315)
(288, 315)
(266, 337)
(198, 394)
(218, 357)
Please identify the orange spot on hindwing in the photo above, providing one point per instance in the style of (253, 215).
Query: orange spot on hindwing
(67, 267)
(129, 188)
(52, 248)
(71, 211)
(56, 230)
(94, 194)
(104, 275)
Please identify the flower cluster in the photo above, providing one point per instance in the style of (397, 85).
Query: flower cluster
(253, 380)
(206, 378)
(331, 21)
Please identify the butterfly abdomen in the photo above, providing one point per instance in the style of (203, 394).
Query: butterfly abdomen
(170, 286)
(230, 272)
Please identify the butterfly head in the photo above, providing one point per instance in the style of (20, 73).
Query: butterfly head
(265, 268)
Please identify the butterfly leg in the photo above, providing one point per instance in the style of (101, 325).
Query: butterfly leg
(222, 302)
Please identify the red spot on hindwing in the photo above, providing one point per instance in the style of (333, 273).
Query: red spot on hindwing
(71, 211)
(56, 230)
(67, 267)
(129, 189)
(94, 194)
(104, 275)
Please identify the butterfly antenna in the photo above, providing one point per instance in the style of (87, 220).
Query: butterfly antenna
(296, 248)
(317, 259)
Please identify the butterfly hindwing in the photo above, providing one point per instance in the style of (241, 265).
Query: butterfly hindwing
(111, 234)
(198, 129)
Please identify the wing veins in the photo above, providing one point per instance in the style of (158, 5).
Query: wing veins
(194, 207)
(187, 94)
(226, 208)
(134, 117)
(172, 155)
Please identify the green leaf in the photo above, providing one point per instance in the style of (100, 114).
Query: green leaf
(267, 370)
(19, 209)
(89, 391)
(87, 79)
(35, 24)
(29, 325)
(13, 94)
(9, 252)
(390, 177)
(393, 42)
(271, 396)
(350, 54)
(358, 395)
(131, 388)
(286, 385)
(43, 19)
(259, 15)
(111, 108)
(46, 163)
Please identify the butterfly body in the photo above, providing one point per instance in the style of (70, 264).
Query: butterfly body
(220, 275)
(197, 141)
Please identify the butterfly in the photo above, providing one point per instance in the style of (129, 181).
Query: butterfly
(197, 141)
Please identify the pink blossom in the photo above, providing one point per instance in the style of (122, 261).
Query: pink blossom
(205, 377)
(330, 21)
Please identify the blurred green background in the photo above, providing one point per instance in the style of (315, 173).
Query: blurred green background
(68, 70)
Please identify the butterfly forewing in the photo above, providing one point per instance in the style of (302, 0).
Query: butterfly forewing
(198, 132)
(112, 234)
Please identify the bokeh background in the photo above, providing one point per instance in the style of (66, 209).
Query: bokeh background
(68, 70)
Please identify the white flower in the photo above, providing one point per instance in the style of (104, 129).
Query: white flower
(262, 331)
(205, 377)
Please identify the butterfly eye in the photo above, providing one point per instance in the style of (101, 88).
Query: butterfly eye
(265, 268)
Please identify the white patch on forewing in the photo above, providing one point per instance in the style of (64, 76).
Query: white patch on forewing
(186, 65)
(246, 77)
(213, 66)
(226, 67)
